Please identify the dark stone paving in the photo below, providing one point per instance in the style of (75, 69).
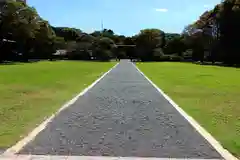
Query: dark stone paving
(123, 115)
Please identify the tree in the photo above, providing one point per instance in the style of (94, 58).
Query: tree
(83, 47)
(59, 43)
(220, 32)
(69, 34)
(103, 48)
(96, 34)
(148, 40)
(130, 48)
(228, 19)
(171, 36)
(44, 40)
(175, 46)
(18, 24)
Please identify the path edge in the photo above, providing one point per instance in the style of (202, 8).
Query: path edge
(31, 136)
(204, 133)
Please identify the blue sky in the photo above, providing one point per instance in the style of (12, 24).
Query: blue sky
(125, 17)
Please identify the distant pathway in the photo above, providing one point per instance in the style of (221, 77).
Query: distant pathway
(122, 116)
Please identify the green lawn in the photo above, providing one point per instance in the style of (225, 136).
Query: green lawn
(31, 92)
(210, 94)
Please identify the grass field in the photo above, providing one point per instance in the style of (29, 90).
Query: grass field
(31, 92)
(210, 94)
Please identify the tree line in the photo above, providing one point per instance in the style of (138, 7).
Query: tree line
(212, 38)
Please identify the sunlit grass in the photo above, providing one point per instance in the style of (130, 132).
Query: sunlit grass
(210, 94)
(31, 92)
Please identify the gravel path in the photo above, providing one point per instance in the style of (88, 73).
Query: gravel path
(123, 115)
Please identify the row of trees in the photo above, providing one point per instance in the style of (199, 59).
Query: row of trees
(214, 37)
(25, 35)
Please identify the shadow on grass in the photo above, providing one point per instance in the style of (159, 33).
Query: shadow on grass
(53, 60)
(8, 63)
(18, 62)
(219, 64)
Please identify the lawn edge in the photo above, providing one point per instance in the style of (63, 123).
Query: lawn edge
(211, 140)
(31, 136)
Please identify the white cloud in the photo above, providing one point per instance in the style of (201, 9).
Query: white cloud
(161, 10)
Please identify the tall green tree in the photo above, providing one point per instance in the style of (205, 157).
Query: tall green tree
(103, 48)
(228, 19)
(147, 41)
(175, 45)
(18, 23)
(69, 34)
(44, 40)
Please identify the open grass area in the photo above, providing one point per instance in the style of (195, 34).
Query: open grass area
(31, 92)
(210, 94)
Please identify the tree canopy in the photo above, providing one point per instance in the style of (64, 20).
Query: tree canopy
(213, 37)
